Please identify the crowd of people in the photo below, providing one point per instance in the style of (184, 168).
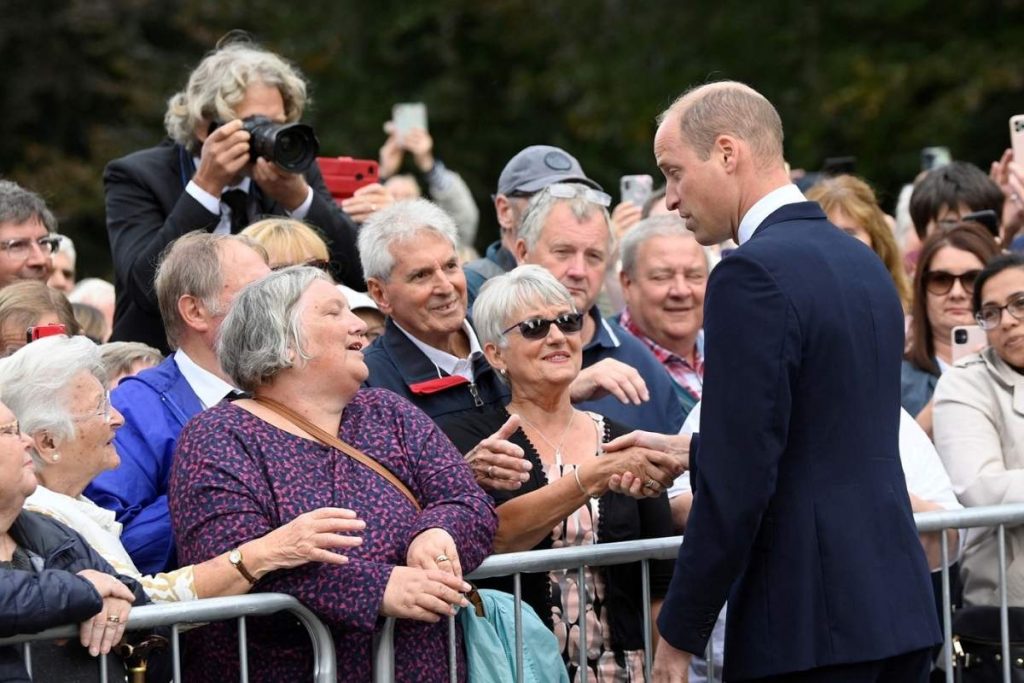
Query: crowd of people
(341, 401)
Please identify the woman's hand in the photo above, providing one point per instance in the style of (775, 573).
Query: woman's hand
(105, 629)
(434, 549)
(311, 537)
(367, 200)
(424, 595)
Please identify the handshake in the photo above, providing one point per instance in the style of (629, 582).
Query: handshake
(639, 464)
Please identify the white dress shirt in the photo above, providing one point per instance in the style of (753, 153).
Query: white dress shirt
(766, 206)
(443, 360)
(210, 388)
(215, 205)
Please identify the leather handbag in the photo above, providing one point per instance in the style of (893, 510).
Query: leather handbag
(331, 440)
(977, 647)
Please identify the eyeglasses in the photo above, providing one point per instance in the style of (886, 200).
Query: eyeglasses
(567, 191)
(10, 429)
(939, 282)
(317, 263)
(102, 410)
(21, 248)
(989, 317)
(537, 328)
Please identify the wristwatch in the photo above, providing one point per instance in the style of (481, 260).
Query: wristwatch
(235, 558)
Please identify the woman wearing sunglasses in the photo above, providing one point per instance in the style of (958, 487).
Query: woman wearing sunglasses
(979, 428)
(946, 270)
(529, 329)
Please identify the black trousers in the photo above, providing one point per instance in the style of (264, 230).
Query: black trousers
(912, 667)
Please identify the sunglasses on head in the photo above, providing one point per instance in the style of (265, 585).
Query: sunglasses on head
(537, 328)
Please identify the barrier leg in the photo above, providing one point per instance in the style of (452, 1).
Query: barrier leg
(243, 652)
(1004, 614)
(517, 588)
(645, 576)
(947, 611)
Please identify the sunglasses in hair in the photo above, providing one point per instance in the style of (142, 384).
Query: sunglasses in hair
(537, 328)
(939, 282)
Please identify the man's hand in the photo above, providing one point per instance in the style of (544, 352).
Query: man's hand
(224, 155)
(609, 376)
(391, 153)
(287, 189)
(419, 143)
(668, 454)
(625, 216)
(497, 463)
(671, 665)
(367, 200)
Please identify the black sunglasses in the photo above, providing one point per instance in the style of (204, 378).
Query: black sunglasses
(537, 328)
(939, 282)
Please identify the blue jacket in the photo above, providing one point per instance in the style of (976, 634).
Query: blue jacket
(663, 412)
(156, 404)
(497, 259)
(916, 387)
(800, 511)
(396, 364)
(51, 595)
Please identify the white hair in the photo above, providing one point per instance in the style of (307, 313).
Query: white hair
(92, 291)
(33, 382)
(67, 247)
(541, 205)
(395, 224)
(504, 298)
(669, 225)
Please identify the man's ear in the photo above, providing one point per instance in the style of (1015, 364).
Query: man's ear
(193, 313)
(503, 209)
(624, 280)
(725, 152)
(375, 288)
(520, 252)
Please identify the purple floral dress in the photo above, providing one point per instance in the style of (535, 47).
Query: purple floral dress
(236, 477)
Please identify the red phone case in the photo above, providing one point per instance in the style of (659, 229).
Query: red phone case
(344, 175)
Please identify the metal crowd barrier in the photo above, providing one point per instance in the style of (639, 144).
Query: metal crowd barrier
(204, 611)
(643, 551)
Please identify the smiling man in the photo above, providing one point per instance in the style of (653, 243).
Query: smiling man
(567, 230)
(664, 275)
(26, 239)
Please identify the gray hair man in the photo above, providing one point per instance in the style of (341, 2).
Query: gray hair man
(27, 242)
(203, 178)
(196, 281)
(567, 230)
(527, 173)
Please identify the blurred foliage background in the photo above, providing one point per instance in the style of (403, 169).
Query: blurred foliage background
(86, 81)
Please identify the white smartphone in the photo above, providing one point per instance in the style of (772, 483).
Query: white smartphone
(408, 115)
(636, 188)
(1017, 137)
(967, 339)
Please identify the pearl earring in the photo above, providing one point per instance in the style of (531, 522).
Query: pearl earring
(502, 371)
(56, 457)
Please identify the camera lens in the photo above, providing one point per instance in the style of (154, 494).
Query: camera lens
(959, 336)
(293, 146)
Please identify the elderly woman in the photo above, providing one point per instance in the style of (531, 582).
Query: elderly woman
(55, 388)
(29, 304)
(530, 331)
(310, 437)
(851, 206)
(979, 428)
(50, 577)
(947, 267)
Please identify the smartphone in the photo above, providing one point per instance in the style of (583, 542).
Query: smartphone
(1017, 137)
(968, 339)
(636, 188)
(408, 115)
(40, 331)
(344, 175)
(933, 157)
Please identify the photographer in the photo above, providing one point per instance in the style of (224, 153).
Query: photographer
(204, 178)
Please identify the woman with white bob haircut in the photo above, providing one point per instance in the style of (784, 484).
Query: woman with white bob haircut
(529, 328)
(55, 386)
(310, 436)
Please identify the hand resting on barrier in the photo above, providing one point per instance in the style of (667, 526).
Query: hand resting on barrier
(424, 595)
(103, 630)
(435, 549)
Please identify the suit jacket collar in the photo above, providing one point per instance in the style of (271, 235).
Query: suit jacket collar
(417, 371)
(791, 212)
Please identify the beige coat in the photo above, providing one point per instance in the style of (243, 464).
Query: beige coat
(979, 433)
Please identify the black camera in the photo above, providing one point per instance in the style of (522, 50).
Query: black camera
(292, 146)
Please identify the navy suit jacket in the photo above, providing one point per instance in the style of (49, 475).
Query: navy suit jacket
(148, 208)
(800, 515)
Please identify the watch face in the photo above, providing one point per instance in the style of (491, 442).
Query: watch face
(234, 557)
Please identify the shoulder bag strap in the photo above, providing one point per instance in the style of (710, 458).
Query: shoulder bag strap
(330, 440)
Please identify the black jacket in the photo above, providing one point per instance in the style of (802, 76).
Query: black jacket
(52, 595)
(148, 208)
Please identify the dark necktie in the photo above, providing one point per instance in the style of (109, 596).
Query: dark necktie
(236, 201)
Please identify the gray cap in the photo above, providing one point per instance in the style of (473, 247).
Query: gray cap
(538, 166)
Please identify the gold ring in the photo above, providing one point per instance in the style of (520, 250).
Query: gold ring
(651, 484)
(114, 619)
(490, 471)
(441, 558)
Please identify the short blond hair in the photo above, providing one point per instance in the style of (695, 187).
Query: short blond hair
(288, 242)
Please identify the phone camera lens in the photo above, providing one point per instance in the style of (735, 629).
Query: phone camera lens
(960, 336)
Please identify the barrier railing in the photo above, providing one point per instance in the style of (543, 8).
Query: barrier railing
(204, 611)
(644, 551)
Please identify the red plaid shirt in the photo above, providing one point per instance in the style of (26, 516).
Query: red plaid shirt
(689, 377)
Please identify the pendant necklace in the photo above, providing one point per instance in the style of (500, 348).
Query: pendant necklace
(561, 440)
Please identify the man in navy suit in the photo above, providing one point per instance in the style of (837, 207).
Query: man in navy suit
(800, 514)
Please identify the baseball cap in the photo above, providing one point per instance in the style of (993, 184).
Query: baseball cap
(357, 300)
(538, 166)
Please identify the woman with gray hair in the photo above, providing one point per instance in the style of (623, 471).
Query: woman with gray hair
(310, 436)
(55, 387)
(530, 331)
